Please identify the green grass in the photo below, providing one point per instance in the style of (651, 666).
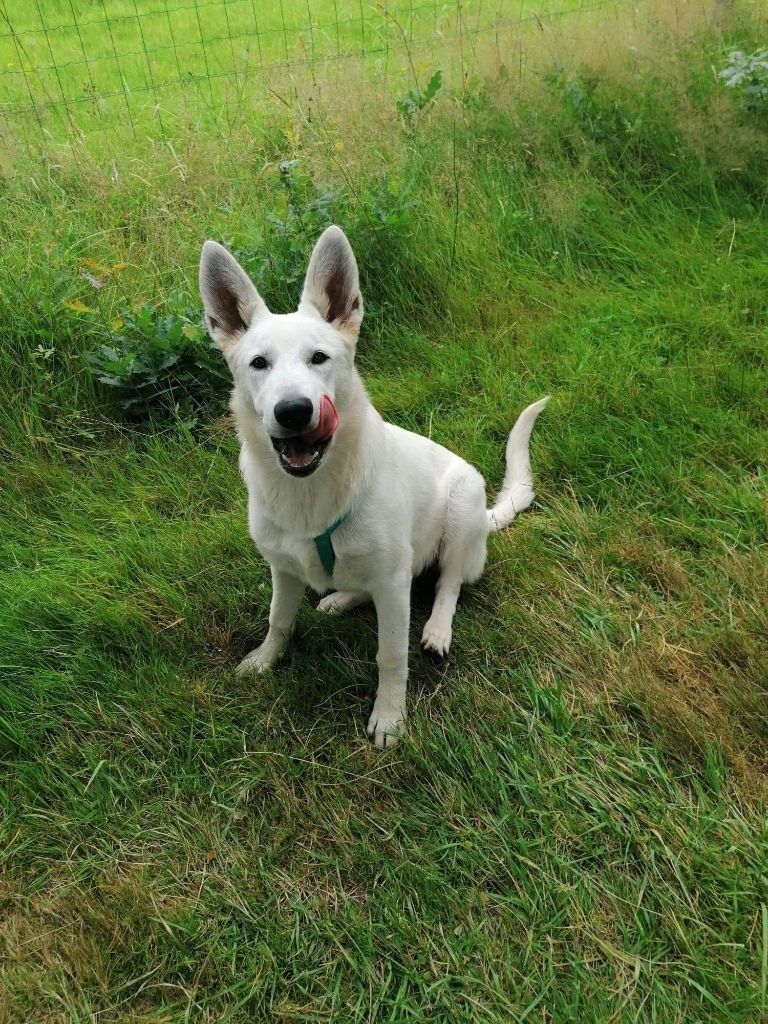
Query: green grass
(575, 829)
(68, 66)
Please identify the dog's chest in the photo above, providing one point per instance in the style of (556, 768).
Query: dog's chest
(300, 557)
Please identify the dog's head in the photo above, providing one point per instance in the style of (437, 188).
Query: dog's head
(295, 368)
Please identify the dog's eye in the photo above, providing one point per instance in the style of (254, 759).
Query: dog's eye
(259, 363)
(320, 357)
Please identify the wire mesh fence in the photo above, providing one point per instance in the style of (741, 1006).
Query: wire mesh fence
(83, 66)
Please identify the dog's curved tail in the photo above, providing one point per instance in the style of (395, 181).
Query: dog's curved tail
(516, 492)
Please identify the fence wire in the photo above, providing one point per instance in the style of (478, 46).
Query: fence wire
(83, 66)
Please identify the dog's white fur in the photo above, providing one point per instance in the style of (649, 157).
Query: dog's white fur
(412, 501)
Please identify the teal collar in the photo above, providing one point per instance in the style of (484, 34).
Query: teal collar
(324, 545)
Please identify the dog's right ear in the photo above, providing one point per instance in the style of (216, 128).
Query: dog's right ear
(230, 299)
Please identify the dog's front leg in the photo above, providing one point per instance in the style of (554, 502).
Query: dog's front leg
(393, 607)
(287, 592)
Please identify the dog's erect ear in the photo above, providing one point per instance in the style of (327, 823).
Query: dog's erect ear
(332, 287)
(230, 300)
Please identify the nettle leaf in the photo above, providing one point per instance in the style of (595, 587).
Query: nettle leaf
(77, 306)
(415, 100)
(95, 266)
(732, 76)
(145, 319)
(192, 332)
(433, 88)
(175, 331)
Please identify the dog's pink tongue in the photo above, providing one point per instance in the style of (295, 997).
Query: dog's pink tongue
(329, 420)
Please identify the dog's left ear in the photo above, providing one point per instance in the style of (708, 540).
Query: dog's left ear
(332, 287)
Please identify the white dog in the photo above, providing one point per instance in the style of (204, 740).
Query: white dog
(337, 497)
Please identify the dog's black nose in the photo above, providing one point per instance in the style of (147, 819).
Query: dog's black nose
(294, 413)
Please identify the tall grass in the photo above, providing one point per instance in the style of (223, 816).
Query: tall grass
(575, 829)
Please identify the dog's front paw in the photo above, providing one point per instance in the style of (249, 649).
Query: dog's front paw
(259, 660)
(436, 637)
(386, 725)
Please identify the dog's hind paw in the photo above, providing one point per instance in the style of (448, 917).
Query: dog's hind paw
(331, 604)
(436, 638)
(258, 660)
(386, 726)
(341, 601)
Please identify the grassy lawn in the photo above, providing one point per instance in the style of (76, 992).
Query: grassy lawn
(112, 60)
(575, 829)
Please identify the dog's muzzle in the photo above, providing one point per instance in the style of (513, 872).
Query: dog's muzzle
(301, 454)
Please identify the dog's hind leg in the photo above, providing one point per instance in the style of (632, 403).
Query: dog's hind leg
(342, 601)
(461, 559)
(438, 630)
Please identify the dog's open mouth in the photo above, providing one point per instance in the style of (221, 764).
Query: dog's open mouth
(301, 454)
(298, 456)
